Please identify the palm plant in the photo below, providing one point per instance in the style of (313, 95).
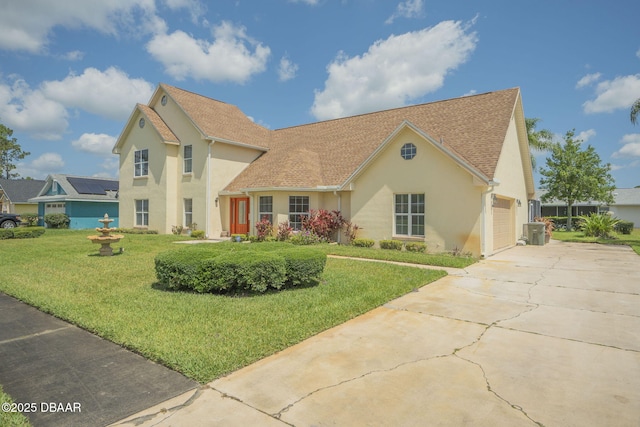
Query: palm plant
(541, 140)
(635, 110)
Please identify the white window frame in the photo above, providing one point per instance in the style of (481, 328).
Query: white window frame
(142, 212)
(298, 203)
(187, 164)
(188, 212)
(141, 163)
(263, 212)
(412, 208)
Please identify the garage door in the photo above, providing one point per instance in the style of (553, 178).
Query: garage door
(503, 227)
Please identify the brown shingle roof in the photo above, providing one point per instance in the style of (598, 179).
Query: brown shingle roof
(219, 120)
(327, 153)
(165, 133)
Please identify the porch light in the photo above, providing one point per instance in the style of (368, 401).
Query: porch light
(216, 200)
(519, 202)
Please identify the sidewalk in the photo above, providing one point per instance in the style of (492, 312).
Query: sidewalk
(70, 377)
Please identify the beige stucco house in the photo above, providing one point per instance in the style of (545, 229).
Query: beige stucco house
(455, 174)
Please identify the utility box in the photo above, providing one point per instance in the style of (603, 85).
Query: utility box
(535, 233)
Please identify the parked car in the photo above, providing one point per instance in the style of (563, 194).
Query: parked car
(8, 220)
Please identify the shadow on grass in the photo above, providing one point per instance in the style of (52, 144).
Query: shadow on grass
(234, 293)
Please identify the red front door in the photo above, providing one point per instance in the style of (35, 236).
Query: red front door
(240, 215)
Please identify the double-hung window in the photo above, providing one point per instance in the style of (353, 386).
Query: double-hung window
(142, 213)
(188, 212)
(298, 208)
(265, 208)
(188, 159)
(409, 214)
(141, 163)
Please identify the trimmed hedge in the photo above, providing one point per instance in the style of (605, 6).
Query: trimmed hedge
(363, 243)
(415, 247)
(21, 232)
(232, 268)
(391, 244)
(624, 227)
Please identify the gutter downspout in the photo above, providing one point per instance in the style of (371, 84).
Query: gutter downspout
(483, 232)
(335, 193)
(208, 190)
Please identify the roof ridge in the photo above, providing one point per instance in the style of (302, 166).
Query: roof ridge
(398, 108)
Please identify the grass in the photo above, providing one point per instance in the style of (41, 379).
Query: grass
(632, 239)
(203, 336)
(441, 260)
(11, 419)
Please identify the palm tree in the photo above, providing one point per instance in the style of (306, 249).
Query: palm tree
(635, 110)
(541, 140)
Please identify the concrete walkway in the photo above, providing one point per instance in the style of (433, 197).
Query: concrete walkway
(532, 336)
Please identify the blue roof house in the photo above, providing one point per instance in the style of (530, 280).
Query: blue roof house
(85, 200)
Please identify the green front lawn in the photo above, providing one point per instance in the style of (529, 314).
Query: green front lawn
(202, 335)
(632, 239)
(9, 417)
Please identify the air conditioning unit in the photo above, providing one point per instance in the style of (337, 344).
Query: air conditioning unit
(535, 233)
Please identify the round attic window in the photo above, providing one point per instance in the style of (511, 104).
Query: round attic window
(163, 100)
(408, 151)
(141, 122)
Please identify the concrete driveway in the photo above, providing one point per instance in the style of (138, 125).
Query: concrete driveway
(532, 336)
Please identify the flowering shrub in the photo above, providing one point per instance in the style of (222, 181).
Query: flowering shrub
(323, 223)
(264, 229)
(284, 231)
(304, 238)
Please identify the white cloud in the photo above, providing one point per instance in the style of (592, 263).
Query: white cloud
(195, 7)
(74, 55)
(111, 93)
(584, 136)
(95, 143)
(407, 9)
(287, 69)
(615, 94)
(228, 58)
(26, 25)
(30, 111)
(588, 80)
(631, 147)
(471, 92)
(39, 168)
(394, 71)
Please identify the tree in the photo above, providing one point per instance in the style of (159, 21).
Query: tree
(574, 174)
(10, 151)
(538, 140)
(635, 110)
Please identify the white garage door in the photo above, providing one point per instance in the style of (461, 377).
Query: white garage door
(503, 226)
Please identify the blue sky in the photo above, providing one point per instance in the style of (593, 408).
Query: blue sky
(71, 72)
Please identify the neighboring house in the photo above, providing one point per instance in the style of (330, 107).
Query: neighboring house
(626, 206)
(454, 174)
(15, 195)
(85, 200)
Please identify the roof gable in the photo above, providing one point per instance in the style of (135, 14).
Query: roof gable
(78, 188)
(217, 120)
(21, 190)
